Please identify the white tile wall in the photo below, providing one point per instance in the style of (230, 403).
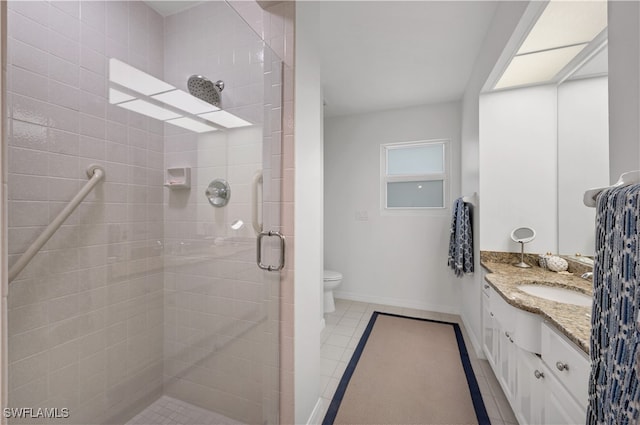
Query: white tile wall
(86, 316)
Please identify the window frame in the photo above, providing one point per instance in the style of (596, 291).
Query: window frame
(385, 178)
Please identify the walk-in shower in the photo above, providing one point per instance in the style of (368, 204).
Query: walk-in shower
(146, 304)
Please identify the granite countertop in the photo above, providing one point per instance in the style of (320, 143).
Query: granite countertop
(571, 320)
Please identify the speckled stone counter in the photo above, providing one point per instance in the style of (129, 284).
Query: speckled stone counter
(571, 320)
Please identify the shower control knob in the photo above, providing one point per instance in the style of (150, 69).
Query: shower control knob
(538, 374)
(562, 366)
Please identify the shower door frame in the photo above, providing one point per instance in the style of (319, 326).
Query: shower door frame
(4, 366)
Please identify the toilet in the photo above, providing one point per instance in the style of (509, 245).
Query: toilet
(331, 281)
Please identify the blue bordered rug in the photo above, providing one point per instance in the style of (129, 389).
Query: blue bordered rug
(474, 389)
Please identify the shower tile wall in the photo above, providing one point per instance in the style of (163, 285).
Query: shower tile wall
(86, 316)
(222, 317)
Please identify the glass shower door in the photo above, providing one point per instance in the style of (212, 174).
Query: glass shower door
(148, 299)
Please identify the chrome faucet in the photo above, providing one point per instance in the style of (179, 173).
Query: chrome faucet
(587, 275)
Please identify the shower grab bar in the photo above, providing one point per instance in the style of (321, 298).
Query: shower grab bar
(95, 174)
(257, 180)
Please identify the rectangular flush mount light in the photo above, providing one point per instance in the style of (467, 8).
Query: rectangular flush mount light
(537, 67)
(134, 79)
(149, 109)
(225, 119)
(116, 96)
(561, 32)
(566, 23)
(186, 102)
(193, 125)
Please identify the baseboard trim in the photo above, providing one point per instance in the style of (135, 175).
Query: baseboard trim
(316, 415)
(473, 338)
(397, 302)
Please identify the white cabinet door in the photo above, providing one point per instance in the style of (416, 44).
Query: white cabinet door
(560, 408)
(488, 325)
(507, 363)
(529, 408)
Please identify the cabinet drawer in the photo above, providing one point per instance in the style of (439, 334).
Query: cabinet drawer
(567, 362)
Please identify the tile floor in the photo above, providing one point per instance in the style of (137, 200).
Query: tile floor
(170, 411)
(342, 333)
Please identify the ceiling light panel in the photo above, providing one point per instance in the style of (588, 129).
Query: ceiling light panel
(183, 100)
(565, 23)
(116, 96)
(537, 67)
(193, 125)
(149, 109)
(134, 79)
(225, 119)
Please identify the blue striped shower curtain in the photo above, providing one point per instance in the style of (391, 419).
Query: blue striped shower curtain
(613, 385)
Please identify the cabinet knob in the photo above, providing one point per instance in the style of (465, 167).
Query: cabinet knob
(486, 286)
(491, 314)
(506, 334)
(562, 366)
(538, 374)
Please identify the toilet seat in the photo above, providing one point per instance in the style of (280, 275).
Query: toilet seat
(330, 275)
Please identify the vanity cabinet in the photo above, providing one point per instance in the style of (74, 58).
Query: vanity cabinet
(490, 327)
(507, 363)
(529, 403)
(543, 375)
(567, 371)
(559, 407)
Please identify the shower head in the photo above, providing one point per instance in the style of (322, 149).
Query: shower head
(204, 89)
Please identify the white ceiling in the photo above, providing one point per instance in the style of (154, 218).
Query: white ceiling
(378, 55)
(167, 8)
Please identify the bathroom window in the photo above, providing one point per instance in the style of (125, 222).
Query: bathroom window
(414, 175)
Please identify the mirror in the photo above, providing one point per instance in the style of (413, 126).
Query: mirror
(218, 193)
(553, 135)
(522, 235)
(583, 152)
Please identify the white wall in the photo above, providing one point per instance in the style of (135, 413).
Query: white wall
(504, 22)
(583, 159)
(390, 259)
(518, 167)
(308, 218)
(624, 87)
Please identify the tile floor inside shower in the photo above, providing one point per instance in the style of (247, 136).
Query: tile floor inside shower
(170, 411)
(341, 334)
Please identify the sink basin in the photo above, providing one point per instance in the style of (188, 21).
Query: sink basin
(560, 295)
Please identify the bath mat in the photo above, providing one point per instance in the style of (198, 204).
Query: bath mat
(407, 370)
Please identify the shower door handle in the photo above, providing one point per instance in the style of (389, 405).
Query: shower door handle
(270, 268)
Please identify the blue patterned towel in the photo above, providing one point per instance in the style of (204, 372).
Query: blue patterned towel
(614, 394)
(461, 240)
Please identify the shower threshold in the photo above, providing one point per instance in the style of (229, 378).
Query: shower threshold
(168, 410)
